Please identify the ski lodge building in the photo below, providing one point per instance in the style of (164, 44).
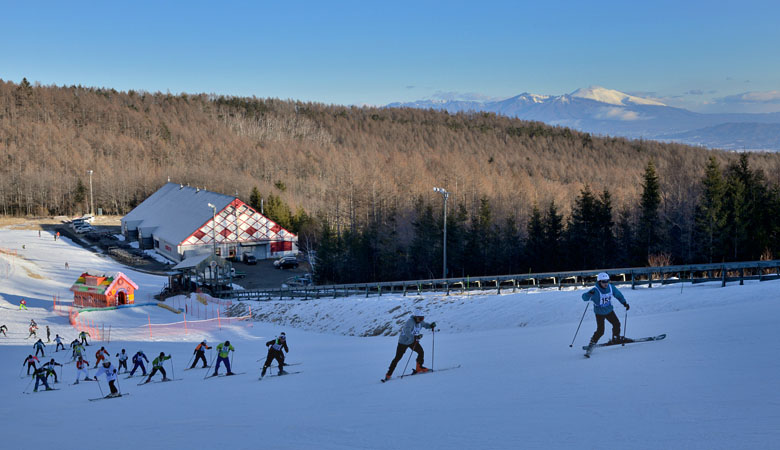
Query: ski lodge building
(180, 222)
(101, 291)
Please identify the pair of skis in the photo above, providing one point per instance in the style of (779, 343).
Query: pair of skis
(589, 348)
(414, 372)
(108, 397)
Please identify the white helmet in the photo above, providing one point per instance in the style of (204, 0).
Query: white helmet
(417, 313)
(602, 277)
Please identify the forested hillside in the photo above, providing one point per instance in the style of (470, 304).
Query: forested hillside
(336, 173)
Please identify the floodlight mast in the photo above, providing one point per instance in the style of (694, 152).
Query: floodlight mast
(446, 195)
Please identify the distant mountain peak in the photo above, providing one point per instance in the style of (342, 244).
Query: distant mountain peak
(612, 97)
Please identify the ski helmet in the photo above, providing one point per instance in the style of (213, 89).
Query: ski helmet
(162, 353)
(418, 313)
(282, 336)
(227, 342)
(602, 276)
(106, 363)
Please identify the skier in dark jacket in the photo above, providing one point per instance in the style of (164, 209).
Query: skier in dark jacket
(40, 375)
(51, 366)
(39, 346)
(601, 296)
(30, 361)
(410, 338)
(138, 361)
(3, 329)
(275, 347)
(200, 354)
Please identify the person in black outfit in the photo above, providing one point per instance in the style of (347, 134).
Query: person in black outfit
(40, 375)
(51, 367)
(200, 354)
(275, 348)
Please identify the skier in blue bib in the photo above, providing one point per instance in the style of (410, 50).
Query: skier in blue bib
(601, 295)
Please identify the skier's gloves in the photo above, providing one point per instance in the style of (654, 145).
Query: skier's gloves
(628, 306)
(433, 325)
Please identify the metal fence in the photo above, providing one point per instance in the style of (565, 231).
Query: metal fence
(636, 276)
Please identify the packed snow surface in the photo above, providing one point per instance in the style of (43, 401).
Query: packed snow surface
(713, 383)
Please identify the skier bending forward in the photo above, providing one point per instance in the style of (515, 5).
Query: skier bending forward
(410, 338)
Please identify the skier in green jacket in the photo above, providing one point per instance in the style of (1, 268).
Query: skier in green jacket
(223, 351)
(157, 364)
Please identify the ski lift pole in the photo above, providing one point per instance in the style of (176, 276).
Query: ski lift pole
(578, 326)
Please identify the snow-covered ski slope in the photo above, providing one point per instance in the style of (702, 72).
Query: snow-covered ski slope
(713, 383)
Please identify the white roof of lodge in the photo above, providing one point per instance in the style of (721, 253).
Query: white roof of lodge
(192, 261)
(176, 211)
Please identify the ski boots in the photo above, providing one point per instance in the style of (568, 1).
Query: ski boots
(262, 374)
(166, 379)
(420, 369)
(388, 376)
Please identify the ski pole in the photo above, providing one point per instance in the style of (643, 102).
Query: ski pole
(101, 389)
(409, 359)
(188, 362)
(20, 370)
(625, 325)
(578, 326)
(212, 363)
(173, 371)
(118, 388)
(28, 384)
(433, 347)
(231, 361)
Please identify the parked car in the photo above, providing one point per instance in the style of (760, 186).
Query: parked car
(286, 262)
(83, 228)
(249, 258)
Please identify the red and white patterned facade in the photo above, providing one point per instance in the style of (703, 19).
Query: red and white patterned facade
(238, 228)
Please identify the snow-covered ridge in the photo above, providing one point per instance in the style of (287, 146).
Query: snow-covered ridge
(612, 97)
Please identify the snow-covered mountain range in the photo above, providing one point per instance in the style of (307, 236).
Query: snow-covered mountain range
(608, 112)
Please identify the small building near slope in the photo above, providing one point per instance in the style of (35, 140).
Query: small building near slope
(101, 291)
(178, 223)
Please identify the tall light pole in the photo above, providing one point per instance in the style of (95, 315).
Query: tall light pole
(91, 199)
(444, 194)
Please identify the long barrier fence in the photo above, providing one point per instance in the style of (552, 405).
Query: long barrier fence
(637, 276)
(205, 315)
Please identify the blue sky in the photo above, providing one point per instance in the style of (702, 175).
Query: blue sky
(703, 55)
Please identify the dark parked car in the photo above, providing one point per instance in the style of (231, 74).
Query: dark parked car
(249, 259)
(286, 262)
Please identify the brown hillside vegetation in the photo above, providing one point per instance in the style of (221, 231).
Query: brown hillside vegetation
(339, 161)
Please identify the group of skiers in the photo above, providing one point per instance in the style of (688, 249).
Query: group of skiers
(600, 295)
